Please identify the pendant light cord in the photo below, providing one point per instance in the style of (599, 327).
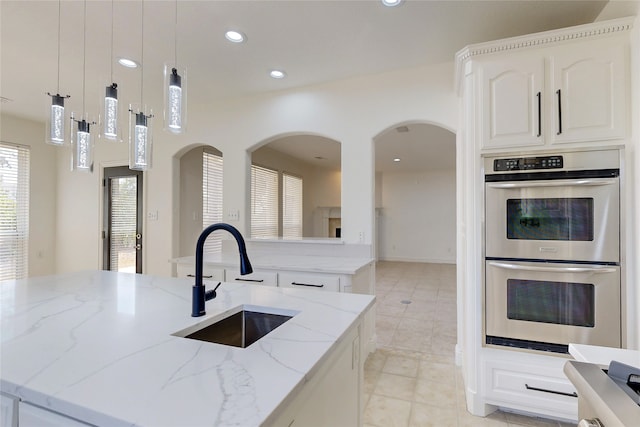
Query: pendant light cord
(84, 56)
(111, 53)
(59, 17)
(175, 35)
(142, 58)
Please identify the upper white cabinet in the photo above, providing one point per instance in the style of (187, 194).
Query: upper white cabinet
(542, 91)
(512, 102)
(589, 86)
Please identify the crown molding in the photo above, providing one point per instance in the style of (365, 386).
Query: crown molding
(546, 38)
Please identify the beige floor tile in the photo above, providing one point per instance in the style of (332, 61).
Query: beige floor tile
(437, 372)
(438, 394)
(522, 420)
(370, 381)
(375, 361)
(384, 411)
(423, 415)
(395, 386)
(401, 365)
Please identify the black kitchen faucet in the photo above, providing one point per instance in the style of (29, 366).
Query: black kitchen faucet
(200, 295)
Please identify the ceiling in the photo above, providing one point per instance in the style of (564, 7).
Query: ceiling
(312, 41)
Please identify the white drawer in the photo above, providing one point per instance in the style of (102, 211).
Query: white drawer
(319, 282)
(209, 273)
(540, 389)
(264, 278)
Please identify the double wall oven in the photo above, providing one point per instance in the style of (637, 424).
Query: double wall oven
(552, 254)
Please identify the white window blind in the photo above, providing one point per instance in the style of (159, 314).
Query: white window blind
(124, 194)
(264, 202)
(212, 199)
(291, 206)
(14, 211)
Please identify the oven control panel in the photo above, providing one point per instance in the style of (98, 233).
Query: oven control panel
(527, 163)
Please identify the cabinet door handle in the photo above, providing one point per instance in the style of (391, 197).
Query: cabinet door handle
(539, 95)
(544, 390)
(204, 277)
(307, 284)
(239, 279)
(559, 111)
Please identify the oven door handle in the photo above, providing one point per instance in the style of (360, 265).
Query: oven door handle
(552, 183)
(507, 266)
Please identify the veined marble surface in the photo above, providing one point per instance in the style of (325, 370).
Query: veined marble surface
(97, 346)
(266, 261)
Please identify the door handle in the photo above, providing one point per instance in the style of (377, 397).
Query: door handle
(556, 183)
(559, 111)
(307, 284)
(508, 266)
(539, 95)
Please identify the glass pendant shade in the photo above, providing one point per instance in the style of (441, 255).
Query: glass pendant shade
(56, 123)
(109, 119)
(175, 105)
(140, 140)
(82, 146)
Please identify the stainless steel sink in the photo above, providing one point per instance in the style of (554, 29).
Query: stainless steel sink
(240, 327)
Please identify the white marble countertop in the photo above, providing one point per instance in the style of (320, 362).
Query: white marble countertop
(265, 261)
(604, 355)
(97, 346)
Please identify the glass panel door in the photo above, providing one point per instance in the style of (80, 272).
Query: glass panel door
(122, 236)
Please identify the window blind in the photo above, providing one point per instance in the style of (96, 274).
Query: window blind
(291, 206)
(264, 202)
(14, 211)
(212, 199)
(124, 193)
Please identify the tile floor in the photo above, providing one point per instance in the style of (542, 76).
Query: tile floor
(411, 379)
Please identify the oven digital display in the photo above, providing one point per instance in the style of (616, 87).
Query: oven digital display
(560, 303)
(528, 163)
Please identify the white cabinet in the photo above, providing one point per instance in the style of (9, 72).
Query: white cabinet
(319, 282)
(573, 93)
(539, 387)
(512, 102)
(589, 86)
(8, 410)
(34, 416)
(264, 278)
(332, 396)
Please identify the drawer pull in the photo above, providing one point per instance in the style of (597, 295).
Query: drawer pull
(544, 390)
(307, 284)
(239, 279)
(204, 277)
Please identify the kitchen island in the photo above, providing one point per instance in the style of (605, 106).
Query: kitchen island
(97, 347)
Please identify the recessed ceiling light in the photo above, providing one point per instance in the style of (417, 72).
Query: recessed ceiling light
(277, 74)
(234, 36)
(397, 159)
(129, 63)
(391, 3)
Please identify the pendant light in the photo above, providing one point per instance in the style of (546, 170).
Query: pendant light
(175, 96)
(109, 128)
(55, 131)
(81, 139)
(140, 121)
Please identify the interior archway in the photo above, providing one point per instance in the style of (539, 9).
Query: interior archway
(415, 193)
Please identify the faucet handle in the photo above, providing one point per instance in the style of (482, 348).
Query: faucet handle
(211, 294)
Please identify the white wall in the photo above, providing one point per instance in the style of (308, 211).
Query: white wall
(42, 191)
(351, 111)
(417, 219)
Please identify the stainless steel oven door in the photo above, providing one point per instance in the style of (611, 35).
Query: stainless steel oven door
(561, 219)
(553, 303)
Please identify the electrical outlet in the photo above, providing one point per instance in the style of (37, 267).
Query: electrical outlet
(233, 215)
(152, 216)
(361, 237)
